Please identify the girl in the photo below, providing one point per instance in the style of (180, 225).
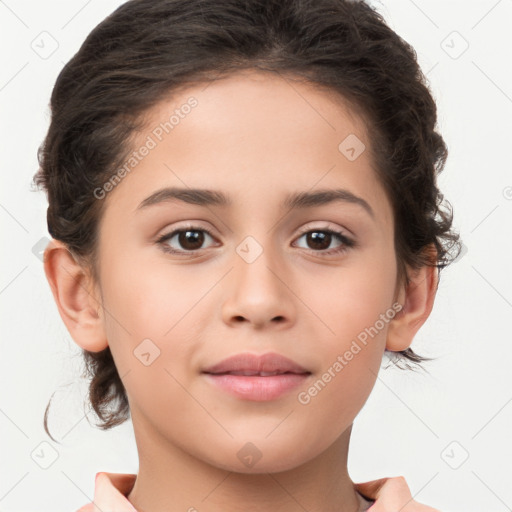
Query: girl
(245, 217)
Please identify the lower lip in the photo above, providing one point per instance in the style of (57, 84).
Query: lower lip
(257, 388)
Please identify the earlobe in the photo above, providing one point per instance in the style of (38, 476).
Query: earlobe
(76, 300)
(417, 300)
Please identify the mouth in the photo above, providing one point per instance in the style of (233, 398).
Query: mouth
(264, 365)
(256, 387)
(257, 378)
(248, 373)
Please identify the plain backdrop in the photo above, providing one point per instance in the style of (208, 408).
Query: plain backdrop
(448, 431)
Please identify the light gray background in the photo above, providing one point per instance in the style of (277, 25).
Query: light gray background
(419, 425)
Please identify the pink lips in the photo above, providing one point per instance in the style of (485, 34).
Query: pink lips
(258, 378)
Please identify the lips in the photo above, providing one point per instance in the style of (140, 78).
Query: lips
(248, 365)
(252, 374)
(257, 378)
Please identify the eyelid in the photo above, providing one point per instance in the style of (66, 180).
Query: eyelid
(187, 225)
(163, 239)
(348, 242)
(328, 226)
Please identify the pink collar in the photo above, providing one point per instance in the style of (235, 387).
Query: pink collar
(110, 491)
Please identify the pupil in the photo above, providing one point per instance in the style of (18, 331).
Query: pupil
(317, 239)
(186, 236)
(317, 236)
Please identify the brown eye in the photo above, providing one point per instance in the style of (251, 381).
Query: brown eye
(319, 241)
(184, 240)
(191, 240)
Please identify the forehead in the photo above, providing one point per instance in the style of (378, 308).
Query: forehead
(251, 133)
(261, 97)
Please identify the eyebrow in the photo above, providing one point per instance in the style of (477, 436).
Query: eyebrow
(295, 200)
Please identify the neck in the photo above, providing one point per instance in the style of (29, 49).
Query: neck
(170, 479)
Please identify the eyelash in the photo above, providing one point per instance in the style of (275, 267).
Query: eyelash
(347, 243)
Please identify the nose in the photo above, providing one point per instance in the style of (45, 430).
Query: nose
(259, 292)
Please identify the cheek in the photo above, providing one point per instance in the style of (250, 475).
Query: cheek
(147, 294)
(351, 355)
(145, 307)
(352, 299)
(149, 330)
(156, 315)
(355, 309)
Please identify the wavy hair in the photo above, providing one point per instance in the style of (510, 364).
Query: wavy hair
(146, 49)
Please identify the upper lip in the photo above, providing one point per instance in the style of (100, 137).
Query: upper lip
(270, 362)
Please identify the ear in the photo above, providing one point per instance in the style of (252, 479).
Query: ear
(418, 300)
(77, 299)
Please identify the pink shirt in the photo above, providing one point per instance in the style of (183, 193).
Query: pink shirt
(111, 489)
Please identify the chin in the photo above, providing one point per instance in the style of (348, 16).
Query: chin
(249, 459)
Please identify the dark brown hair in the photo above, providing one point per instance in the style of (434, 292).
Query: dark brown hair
(146, 49)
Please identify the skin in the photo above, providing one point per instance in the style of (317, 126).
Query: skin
(256, 137)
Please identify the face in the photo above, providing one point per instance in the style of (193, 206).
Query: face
(311, 280)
